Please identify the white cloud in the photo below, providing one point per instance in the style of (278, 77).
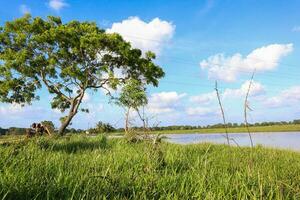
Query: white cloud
(256, 89)
(228, 69)
(11, 109)
(205, 98)
(94, 108)
(57, 4)
(288, 97)
(24, 9)
(201, 111)
(14, 114)
(164, 102)
(145, 36)
(86, 97)
(296, 29)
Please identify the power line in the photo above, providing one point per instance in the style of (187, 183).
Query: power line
(257, 79)
(222, 65)
(251, 58)
(208, 85)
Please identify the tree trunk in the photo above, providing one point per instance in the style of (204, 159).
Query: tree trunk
(73, 111)
(127, 120)
(65, 124)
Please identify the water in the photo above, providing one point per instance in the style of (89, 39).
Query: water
(283, 140)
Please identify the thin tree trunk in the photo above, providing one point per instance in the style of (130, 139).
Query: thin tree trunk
(142, 118)
(127, 120)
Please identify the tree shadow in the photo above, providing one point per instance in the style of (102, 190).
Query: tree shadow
(75, 146)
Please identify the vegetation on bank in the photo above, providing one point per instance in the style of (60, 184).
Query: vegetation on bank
(271, 128)
(96, 168)
(102, 127)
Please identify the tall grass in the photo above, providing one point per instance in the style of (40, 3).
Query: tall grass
(96, 168)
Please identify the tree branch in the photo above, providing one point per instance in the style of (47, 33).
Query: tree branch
(53, 88)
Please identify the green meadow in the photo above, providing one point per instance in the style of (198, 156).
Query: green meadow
(79, 167)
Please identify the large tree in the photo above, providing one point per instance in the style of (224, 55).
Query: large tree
(66, 59)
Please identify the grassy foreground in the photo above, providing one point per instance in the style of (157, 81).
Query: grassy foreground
(274, 128)
(96, 168)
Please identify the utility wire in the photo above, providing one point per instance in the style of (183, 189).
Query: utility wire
(250, 58)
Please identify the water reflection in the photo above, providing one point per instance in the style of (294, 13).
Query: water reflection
(285, 140)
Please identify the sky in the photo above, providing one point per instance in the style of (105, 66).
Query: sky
(196, 43)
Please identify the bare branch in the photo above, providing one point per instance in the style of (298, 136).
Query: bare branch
(222, 112)
(246, 107)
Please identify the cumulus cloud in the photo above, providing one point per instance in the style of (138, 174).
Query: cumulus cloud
(265, 58)
(24, 9)
(12, 112)
(164, 102)
(11, 109)
(205, 98)
(149, 36)
(94, 108)
(256, 89)
(201, 111)
(288, 97)
(86, 97)
(57, 4)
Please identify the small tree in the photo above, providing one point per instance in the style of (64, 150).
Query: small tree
(68, 59)
(132, 96)
(49, 125)
(104, 127)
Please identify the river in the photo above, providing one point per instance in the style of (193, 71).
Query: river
(282, 140)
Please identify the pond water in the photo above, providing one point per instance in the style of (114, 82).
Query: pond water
(283, 140)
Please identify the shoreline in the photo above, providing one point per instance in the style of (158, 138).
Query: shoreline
(253, 129)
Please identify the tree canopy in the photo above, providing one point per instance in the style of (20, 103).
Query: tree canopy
(68, 59)
(133, 95)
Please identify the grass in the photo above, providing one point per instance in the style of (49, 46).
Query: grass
(79, 167)
(273, 128)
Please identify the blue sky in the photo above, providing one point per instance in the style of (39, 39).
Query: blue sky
(197, 42)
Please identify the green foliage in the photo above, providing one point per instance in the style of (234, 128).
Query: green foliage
(16, 131)
(102, 127)
(133, 95)
(3, 131)
(95, 168)
(68, 59)
(296, 121)
(49, 125)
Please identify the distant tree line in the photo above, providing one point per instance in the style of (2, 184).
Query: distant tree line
(102, 127)
(219, 125)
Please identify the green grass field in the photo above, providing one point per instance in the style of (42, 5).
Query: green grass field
(274, 128)
(81, 167)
